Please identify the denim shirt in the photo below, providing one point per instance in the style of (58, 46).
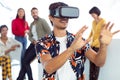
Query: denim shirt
(49, 45)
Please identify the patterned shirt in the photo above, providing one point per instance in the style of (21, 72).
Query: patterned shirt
(49, 45)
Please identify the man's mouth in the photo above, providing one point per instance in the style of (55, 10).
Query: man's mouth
(64, 21)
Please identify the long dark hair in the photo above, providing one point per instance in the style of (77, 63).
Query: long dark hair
(17, 16)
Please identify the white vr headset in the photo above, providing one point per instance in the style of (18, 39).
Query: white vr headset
(65, 12)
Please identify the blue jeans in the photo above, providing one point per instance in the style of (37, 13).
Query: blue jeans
(23, 41)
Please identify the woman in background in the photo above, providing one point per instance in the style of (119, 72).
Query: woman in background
(97, 26)
(20, 28)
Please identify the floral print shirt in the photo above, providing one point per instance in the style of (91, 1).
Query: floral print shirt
(49, 45)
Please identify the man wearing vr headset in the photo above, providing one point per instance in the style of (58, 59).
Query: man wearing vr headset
(63, 54)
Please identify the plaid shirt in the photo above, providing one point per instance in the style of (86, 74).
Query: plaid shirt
(49, 45)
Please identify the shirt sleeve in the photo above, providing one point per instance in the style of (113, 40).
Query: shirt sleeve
(26, 26)
(41, 49)
(30, 33)
(2, 52)
(14, 30)
(46, 27)
(14, 42)
(86, 47)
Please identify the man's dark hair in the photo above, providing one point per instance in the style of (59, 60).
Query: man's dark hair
(95, 10)
(3, 26)
(54, 6)
(34, 8)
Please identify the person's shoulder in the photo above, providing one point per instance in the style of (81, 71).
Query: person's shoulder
(11, 39)
(41, 19)
(14, 20)
(102, 19)
(46, 38)
(93, 21)
(32, 23)
(26, 22)
(70, 34)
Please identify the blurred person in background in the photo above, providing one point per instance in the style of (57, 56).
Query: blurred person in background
(7, 45)
(20, 29)
(97, 25)
(38, 28)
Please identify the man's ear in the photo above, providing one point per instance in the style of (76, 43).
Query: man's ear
(50, 17)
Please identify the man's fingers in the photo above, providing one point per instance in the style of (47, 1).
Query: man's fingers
(83, 29)
(106, 25)
(116, 32)
(80, 32)
(111, 26)
(88, 40)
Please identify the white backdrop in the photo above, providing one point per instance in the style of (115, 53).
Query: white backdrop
(109, 8)
(110, 11)
(111, 69)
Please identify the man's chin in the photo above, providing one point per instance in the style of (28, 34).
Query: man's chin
(35, 18)
(63, 28)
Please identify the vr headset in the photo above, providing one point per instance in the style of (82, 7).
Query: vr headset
(65, 12)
